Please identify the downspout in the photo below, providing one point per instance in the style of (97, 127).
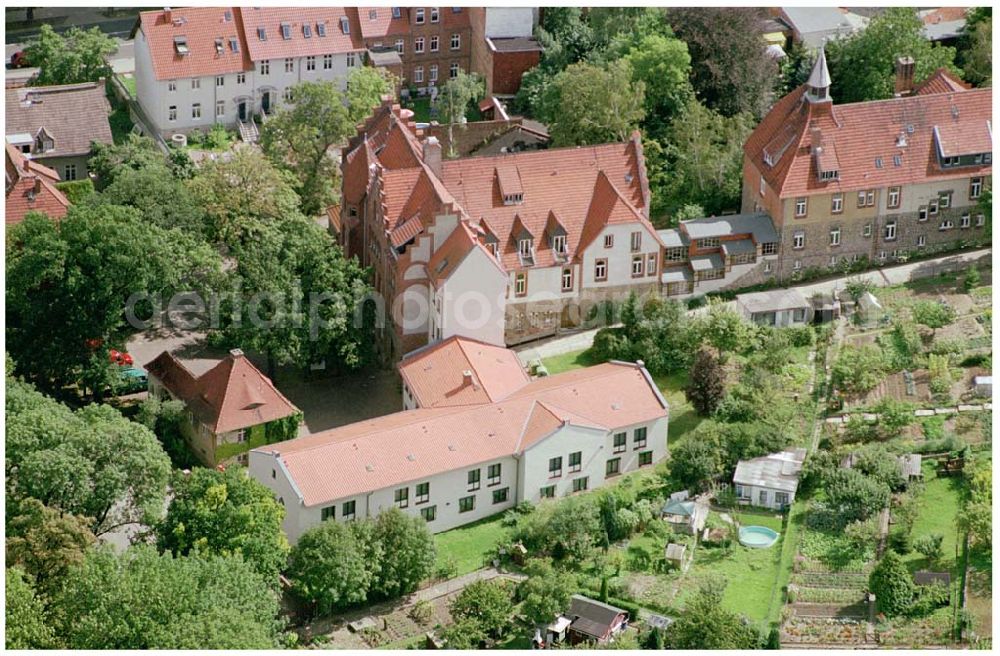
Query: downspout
(517, 479)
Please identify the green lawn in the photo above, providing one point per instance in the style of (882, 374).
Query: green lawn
(469, 546)
(939, 505)
(421, 107)
(683, 418)
(751, 573)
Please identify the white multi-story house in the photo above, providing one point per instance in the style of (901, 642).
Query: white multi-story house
(483, 438)
(198, 66)
(534, 239)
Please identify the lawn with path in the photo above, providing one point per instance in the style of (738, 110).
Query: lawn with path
(470, 547)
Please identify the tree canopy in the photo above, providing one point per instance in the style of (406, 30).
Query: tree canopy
(365, 87)
(589, 104)
(227, 513)
(706, 624)
(891, 584)
(333, 565)
(93, 463)
(26, 626)
(488, 604)
(863, 65)
(145, 600)
(299, 137)
(72, 57)
(45, 542)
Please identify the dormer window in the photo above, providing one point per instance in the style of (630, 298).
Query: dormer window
(181, 45)
(321, 29)
(286, 31)
(234, 44)
(559, 244)
(219, 48)
(524, 247)
(396, 12)
(372, 14)
(513, 199)
(262, 33)
(826, 176)
(307, 30)
(345, 25)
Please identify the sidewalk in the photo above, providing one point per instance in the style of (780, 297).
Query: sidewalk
(881, 277)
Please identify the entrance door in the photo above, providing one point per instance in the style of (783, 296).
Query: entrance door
(265, 102)
(243, 110)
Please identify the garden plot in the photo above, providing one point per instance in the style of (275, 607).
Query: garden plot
(979, 602)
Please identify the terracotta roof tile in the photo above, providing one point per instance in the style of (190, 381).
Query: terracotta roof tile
(415, 444)
(201, 28)
(942, 81)
(435, 374)
(232, 395)
(298, 20)
(74, 115)
(378, 22)
(865, 135)
(30, 187)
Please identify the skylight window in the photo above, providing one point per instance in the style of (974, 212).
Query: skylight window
(396, 12)
(897, 160)
(878, 162)
(372, 14)
(345, 25)
(286, 31)
(321, 29)
(262, 33)
(219, 48)
(181, 45)
(234, 44)
(307, 30)
(228, 16)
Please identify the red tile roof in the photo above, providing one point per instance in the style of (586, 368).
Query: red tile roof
(864, 135)
(30, 187)
(436, 377)
(415, 444)
(378, 22)
(583, 186)
(276, 46)
(941, 81)
(232, 395)
(201, 27)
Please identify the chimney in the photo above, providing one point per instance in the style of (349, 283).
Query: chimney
(467, 379)
(432, 155)
(816, 137)
(167, 14)
(904, 76)
(236, 353)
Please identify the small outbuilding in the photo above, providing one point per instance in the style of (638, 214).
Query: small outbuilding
(594, 621)
(983, 386)
(686, 517)
(780, 308)
(676, 555)
(769, 481)
(910, 466)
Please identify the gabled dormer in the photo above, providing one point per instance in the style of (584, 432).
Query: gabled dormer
(509, 182)
(824, 152)
(44, 142)
(524, 241)
(556, 234)
(963, 143)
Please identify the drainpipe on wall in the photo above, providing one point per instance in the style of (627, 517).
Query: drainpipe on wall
(517, 480)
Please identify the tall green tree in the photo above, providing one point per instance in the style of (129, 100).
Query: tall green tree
(92, 463)
(891, 584)
(707, 386)
(365, 87)
(333, 565)
(706, 624)
(545, 593)
(299, 300)
(162, 199)
(663, 65)
(26, 623)
(489, 604)
(588, 104)
(72, 57)
(226, 512)
(704, 154)
(862, 66)
(300, 137)
(409, 553)
(45, 542)
(136, 152)
(69, 285)
(241, 194)
(730, 68)
(975, 48)
(144, 600)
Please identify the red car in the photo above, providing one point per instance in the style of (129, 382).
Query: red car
(120, 358)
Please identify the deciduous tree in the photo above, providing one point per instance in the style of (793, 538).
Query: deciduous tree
(891, 584)
(226, 512)
(44, 542)
(862, 66)
(545, 593)
(486, 603)
(590, 104)
(365, 87)
(72, 57)
(663, 65)
(144, 600)
(332, 565)
(409, 553)
(730, 68)
(299, 137)
(706, 624)
(26, 623)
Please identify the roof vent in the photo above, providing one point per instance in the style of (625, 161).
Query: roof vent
(411, 457)
(236, 353)
(616, 406)
(451, 447)
(370, 468)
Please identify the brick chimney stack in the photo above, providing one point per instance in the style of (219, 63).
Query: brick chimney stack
(167, 15)
(904, 75)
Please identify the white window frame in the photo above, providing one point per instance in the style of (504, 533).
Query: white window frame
(195, 83)
(311, 63)
(241, 78)
(837, 203)
(456, 41)
(172, 85)
(220, 108)
(567, 279)
(453, 70)
(975, 188)
(434, 44)
(418, 74)
(835, 236)
(220, 80)
(172, 113)
(890, 231)
(195, 111)
(265, 67)
(433, 73)
(966, 220)
(289, 64)
(418, 45)
(600, 269)
(801, 207)
(798, 240)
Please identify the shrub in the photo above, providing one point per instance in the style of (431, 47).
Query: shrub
(801, 335)
(933, 314)
(706, 388)
(933, 428)
(422, 612)
(891, 584)
(76, 190)
(929, 546)
(611, 344)
(928, 598)
(972, 279)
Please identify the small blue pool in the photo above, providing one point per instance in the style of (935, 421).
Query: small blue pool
(758, 537)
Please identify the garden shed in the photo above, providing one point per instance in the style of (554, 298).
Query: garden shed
(676, 555)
